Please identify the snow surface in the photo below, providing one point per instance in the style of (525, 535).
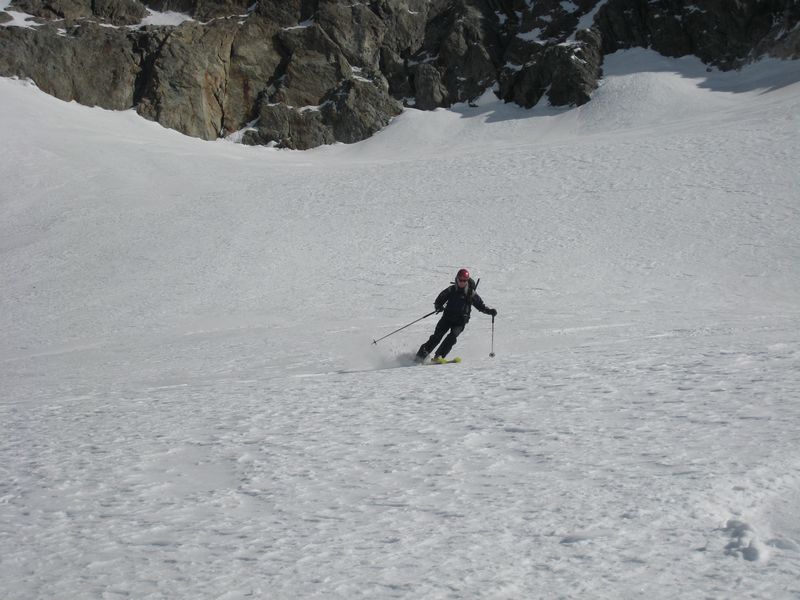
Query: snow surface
(18, 19)
(169, 18)
(534, 35)
(192, 406)
(587, 20)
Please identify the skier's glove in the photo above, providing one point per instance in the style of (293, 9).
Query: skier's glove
(438, 309)
(493, 312)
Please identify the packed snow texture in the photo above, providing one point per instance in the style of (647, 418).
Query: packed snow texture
(192, 405)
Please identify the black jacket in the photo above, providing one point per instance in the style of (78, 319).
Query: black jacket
(457, 303)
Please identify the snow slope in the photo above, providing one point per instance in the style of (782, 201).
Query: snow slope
(192, 406)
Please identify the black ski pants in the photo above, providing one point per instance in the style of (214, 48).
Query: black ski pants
(442, 328)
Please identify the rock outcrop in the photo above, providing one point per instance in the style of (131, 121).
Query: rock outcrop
(724, 33)
(88, 63)
(113, 12)
(186, 87)
(300, 73)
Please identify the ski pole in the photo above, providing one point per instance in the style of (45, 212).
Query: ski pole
(403, 327)
(491, 354)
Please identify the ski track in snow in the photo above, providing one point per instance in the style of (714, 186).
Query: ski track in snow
(192, 405)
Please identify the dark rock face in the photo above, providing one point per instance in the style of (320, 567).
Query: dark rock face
(300, 73)
(187, 85)
(349, 114)
(288, 127)
(314, 65)
(463, 44)
(255, 65)
(724, 33)
(90, 64)
(567, 72)
(60, 9)
(115, 12)
(317, 97)
(202, 10)
(358, 109)
(783, 39)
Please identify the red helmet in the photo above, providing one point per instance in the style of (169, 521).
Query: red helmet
(462, 274)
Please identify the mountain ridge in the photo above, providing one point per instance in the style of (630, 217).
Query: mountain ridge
(305, 73)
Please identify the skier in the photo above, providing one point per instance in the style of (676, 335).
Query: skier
(456, 301)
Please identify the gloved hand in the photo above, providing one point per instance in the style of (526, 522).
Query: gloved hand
(438, 309)
(493, 312)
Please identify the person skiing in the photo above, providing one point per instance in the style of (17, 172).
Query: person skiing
(455, 302)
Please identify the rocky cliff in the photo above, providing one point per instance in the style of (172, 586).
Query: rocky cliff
(300, 73)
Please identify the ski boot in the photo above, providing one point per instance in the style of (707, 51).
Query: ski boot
(422, 354)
